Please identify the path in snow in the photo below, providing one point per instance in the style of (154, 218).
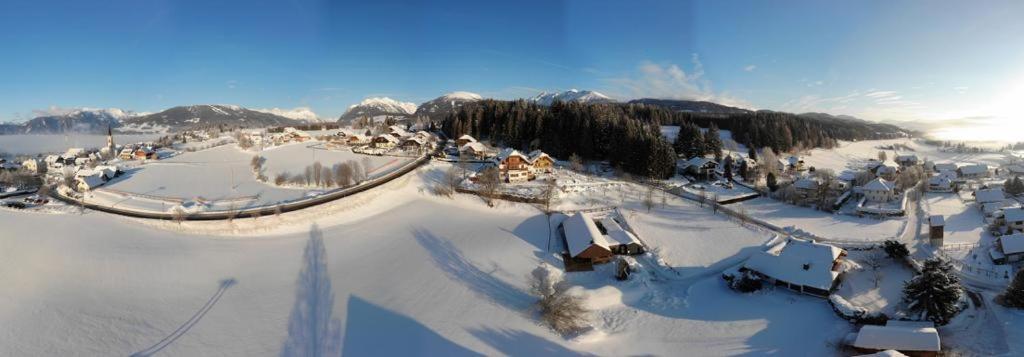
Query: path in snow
(174, 336)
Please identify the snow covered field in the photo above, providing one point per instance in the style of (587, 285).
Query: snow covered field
(447, 275)
(854, 155)
(223, 175)
(964, 222)
(839, 227)
(38, 144)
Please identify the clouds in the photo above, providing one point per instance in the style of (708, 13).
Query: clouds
(670, 81)
(53, 110)
(299, 113)
(750, 68)
(871, 104)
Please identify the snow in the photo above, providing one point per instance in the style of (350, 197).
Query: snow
(898, 337)
(299, 113)
(460, 95)
(963, 223)
(444, 276)
(387, 104)
(581, 233)
(858, 286)
(1012, 244)
(854, 155)
(835, 227)
(798, 262)
(572, 95)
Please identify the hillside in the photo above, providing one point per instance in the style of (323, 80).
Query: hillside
(85, 120)
(695, 106)
(199, 116)
(378, 107)
(572, 95)
(440, 107)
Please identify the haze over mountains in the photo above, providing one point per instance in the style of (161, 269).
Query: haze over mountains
(375, 108)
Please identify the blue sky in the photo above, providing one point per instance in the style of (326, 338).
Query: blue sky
(881, 60)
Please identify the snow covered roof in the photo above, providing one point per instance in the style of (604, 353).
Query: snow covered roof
(72, 152)
(1016, 169)
(1013, 243)
(799, 262)
(1013, 214)
(945, 166)
(387, 138)
(91, 181)
(940, 180)
(793, 160)
(906, 158)
(467, 137)
(581, 233)
(974, 169)
(847, 175)
(898, 337)
(806, 184)
(536, 154)
(616, 233)
(475, 146)
(700, 161)
(886, 353)
(989, 195)
(878, 184)
(418, 139)
(937, 220)
(509, 152)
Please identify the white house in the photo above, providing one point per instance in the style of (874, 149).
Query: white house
(89, 182)
(800, 265)
(945, 166)
(940, 183)
(989, 195)
(32, 165)
(1014, 218)
(888, 170)
(598, 239)
(1008, 249)
(878, 190)
(973, 171)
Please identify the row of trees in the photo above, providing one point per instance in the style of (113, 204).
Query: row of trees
(592, 131)
(344, 174)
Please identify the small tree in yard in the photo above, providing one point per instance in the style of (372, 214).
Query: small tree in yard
(560, 310)
(895, 250)
(649, 198)
(934, 294)
(576, 162)
(874, 261)
(773, 183)
(489, 181)
(1014, 295)
(549, 196)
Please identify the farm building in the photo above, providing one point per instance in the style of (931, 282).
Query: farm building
(936, 229)
(89, 182)
(912, 338)
(597, 240)
(1008, 249)
(414, 143)
(357, 139)
(973, 171)
(474, 150)
(800, 265)
(145, 154)
(513, 166)
(384, 141)
(940, 183)
(989, 195)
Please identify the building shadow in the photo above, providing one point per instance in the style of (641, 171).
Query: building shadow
(522, 343)
(312, 328)
(450, 260)
(371, 330)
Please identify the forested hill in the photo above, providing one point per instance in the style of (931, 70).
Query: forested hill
(628, 135)
(592, 131)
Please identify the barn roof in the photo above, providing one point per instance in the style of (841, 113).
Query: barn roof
(878, 184)
(974, 169)
(1013, 243)
(937, 220)
(581, 233)
(898, 337)
(989, 195)
(799, 262)
(617, 234)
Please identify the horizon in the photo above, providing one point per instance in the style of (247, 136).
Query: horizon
(327, 56)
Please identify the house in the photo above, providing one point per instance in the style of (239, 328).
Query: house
(1013, 218)
(143, 153)
(513, 166)
(936, 227)
(989, 195)
(474, 150)
(807, 187)
(907, 160)
(357, 139)
(127, 153)
(413, 143)
(541, 161)
(795, 163)
(463, 140)
(89, 182)
(878, 190)
(598, 240)
(800, 265)
(9, 166)
(701, 167)
(54, 161)
(1015, 170)
(887, 170)
(940, 183)
(83, 161)
(398, 132)
(584, 240)
(384, 141)
(946, 166)
(72, 153)
(622, 241)
(1008, 249)
(33, 165)
(912, 338)
(973, 171)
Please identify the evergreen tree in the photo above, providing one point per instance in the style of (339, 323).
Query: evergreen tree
(1014, 295)
(744, 170)
(713, 142)
(773, 183)
(751, 153)
(935, 293)
(728, 170)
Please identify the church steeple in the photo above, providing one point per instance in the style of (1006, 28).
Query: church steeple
(110, 141)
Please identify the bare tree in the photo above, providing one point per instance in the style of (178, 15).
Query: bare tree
(178, 214)
(560, 310)
(281, 178)
(326, 179)
(714, 203)
(308, 177)
(576, 162)
(874, 261)
(317, 171)
(549, 195)
(489, 181)
(649, 198)
(881, 155)
(769, 161)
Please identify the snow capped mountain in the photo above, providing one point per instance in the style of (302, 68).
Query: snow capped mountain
(298, 113)
(572, 95)
(441, 106)
(208, 115)
(378, 106)
(59, 120)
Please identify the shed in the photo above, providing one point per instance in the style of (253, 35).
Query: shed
(936, 227)
(910, 338)
(584, 240)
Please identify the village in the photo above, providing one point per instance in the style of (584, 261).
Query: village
(842, 244)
